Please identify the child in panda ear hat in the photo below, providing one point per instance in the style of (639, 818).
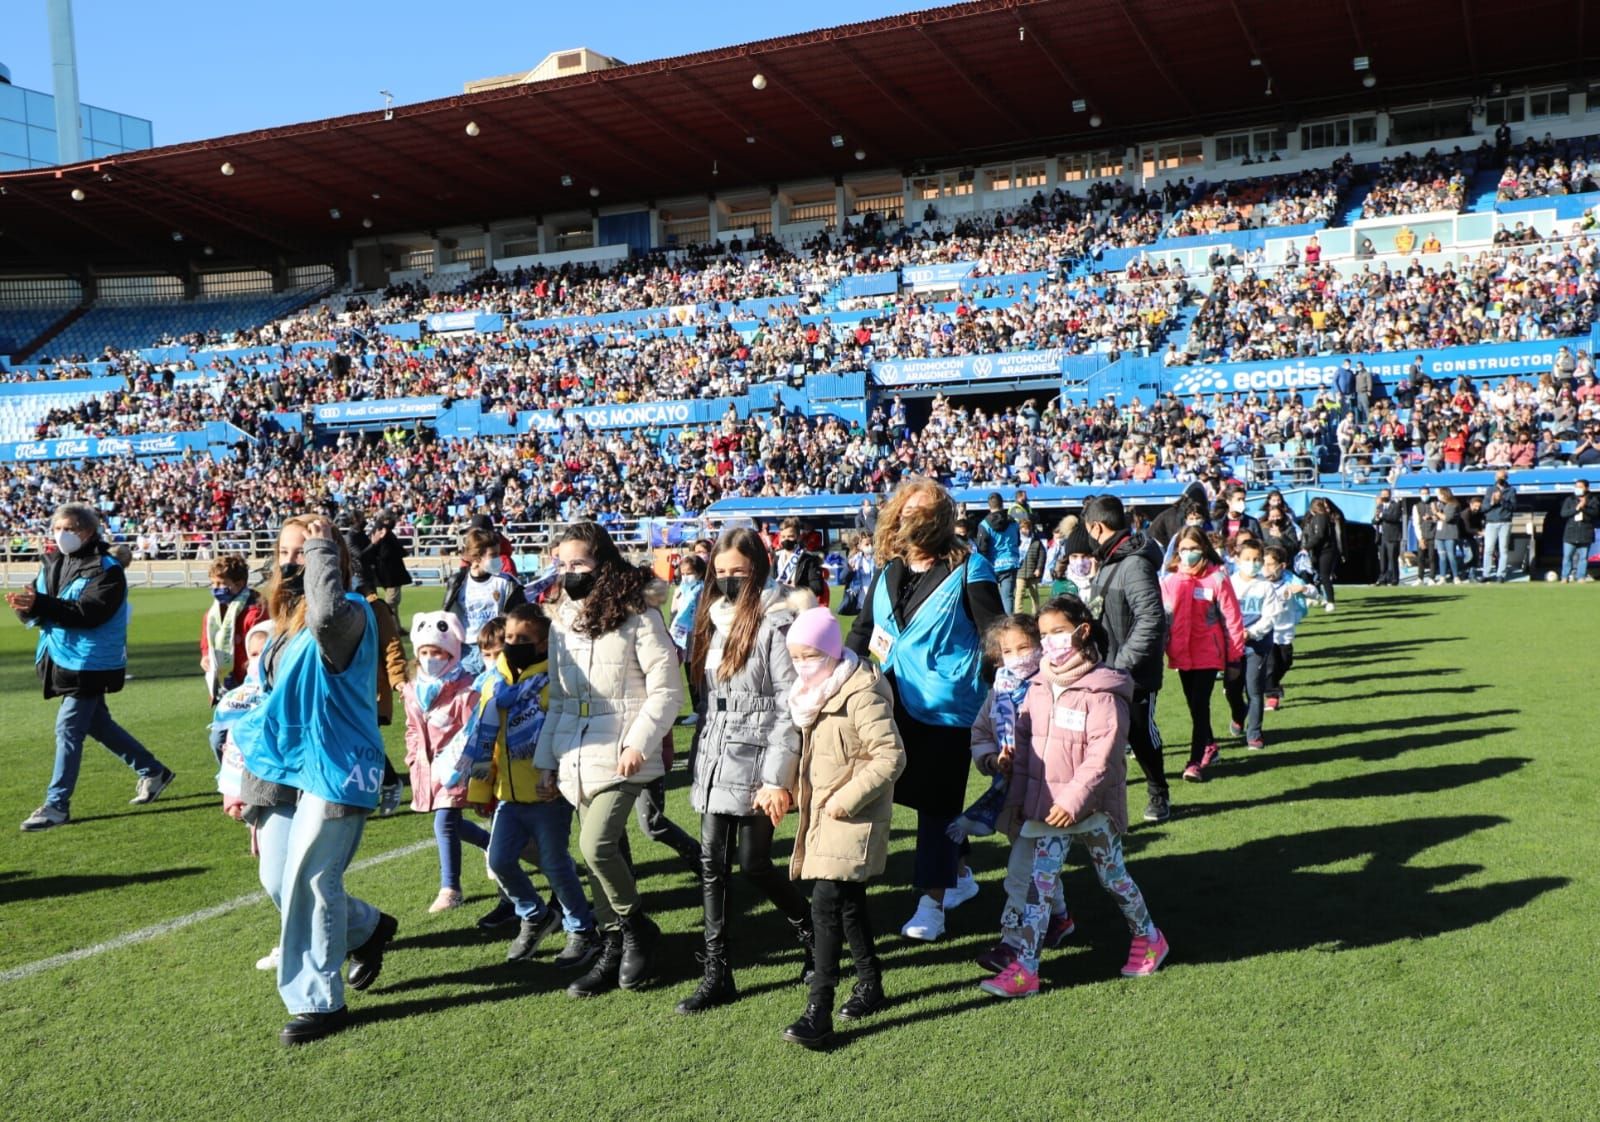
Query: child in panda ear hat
(440, 701)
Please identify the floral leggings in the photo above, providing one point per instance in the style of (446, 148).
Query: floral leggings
(1024, 928)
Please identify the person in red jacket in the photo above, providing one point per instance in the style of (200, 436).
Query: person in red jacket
(1205, 637)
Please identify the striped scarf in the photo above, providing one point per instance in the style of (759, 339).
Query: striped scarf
(1010, 687)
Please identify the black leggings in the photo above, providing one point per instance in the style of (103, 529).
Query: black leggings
(1197, 688)
(839, 913)
(752, 835)
(1327, 562)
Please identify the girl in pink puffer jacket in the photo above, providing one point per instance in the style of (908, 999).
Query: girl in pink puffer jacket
(1069, 784)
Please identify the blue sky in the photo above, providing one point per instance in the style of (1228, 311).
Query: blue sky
(202, 68)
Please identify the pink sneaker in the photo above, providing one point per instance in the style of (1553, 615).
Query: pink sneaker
(998, 957)
(1147, 953)
(1272, 704)
(1060, 927)
(1209, 756)
(1193, 774)
(1015, 980)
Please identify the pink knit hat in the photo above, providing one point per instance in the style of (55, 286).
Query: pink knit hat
(817, 628)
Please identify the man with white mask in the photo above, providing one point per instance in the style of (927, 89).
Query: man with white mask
(79, 604)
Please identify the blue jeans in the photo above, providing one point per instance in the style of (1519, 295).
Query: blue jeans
(1008, 588)
(1448, 559)
(1247, 693)
(550, 826)
(450, 829)
(84, 716)
(1496, 544)
(303, 859)
(1574, 560)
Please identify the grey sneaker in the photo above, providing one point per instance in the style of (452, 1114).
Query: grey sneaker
(44, 818)
(149, 787)
(1158, 809)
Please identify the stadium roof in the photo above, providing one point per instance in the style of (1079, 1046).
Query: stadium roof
(947, 87)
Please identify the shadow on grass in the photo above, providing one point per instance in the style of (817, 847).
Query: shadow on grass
(1361, 652)
(1398, 781)
(1296, 699)
(1343, 732)
(40, 888)
(1386, 675)
(211, 802)
(1382, 602)
(1376, 748)
(1271, 895)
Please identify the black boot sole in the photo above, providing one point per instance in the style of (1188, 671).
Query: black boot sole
(814, 1044)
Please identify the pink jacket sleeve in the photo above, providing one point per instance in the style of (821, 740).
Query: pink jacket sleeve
(1232, 619)
(1108, 733)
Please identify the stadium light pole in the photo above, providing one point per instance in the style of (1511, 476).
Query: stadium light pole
(64, 64)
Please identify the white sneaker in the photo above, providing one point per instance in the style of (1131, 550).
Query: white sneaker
(270, 960)
(1327, 607)
(927, 925)
(966, 888)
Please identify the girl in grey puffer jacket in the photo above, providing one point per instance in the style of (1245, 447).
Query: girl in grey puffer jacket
(746, 748)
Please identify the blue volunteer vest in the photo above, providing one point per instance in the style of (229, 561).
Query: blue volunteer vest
(937, 658)
(84, 648)
(316, 730)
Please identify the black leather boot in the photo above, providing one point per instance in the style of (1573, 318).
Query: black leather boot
(715, 989)
(306, 1027)
(813, 1030)
(639, 936)
(866, 999)
(602, 976)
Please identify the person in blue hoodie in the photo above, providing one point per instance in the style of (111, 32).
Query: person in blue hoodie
(79, 605)
(1000, 543)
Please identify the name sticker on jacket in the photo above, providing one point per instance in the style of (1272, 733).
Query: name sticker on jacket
(1073, 720)
(881, 644)
(1203, 594)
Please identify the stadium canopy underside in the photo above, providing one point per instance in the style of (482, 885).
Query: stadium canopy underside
(950, 87)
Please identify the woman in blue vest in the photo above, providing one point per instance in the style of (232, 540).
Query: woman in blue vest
(79, 604)
(313, 771)
(924, 618)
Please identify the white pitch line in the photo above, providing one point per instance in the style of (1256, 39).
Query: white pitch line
(156, 930)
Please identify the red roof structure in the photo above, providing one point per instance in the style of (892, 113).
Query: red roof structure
(951, 86)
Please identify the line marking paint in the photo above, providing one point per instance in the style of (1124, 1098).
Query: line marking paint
(167, 927)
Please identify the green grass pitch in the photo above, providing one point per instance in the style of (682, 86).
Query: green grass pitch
(1389, 913)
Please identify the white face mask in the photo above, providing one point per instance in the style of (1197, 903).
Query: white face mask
(68, 542)
(811, 668)
(433, 666)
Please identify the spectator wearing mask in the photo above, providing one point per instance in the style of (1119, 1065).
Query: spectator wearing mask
(1323, 535)
(1581, 511)
(999, 542)
(1126, 591)
(385, 560)
(1498, 508)
(1447, 536)
(796, 567)
(1424, 525)
(79, 605)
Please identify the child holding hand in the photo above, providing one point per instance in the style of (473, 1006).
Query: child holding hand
(1069, 783)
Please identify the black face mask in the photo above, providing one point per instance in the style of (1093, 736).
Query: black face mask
(731, 587)
(577, 585)
(520, 656)
(479, 577)
(787, 543)
(292, 579)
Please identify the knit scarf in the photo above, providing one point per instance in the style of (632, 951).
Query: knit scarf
(806, 700)
(1065, 673)
(1010, 687)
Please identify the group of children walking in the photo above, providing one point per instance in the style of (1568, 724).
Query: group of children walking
(542, 712)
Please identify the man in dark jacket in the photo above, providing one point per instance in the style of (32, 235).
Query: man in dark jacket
(79, 603)
(1499, 505)
(1126, 594)
(1166, 525)
(385, 561)
(1582, 511)
(1389, 520)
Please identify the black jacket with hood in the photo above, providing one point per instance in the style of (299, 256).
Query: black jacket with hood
(1127, 593)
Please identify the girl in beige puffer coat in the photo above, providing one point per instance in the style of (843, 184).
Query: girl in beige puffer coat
(615, 691)
(850, 756)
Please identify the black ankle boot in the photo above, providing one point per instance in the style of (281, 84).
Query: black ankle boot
(602, 976)
(808, 942)
(813, 1030)
(866, 999)
(306, 1027)
(715, 989)
(639, 935)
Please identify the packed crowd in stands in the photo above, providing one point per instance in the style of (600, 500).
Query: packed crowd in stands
(1409, 184)
(1281, 200)
(1540, 168)
(1501, 295)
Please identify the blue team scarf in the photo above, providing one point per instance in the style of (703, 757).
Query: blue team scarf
(1010, 687)
(428, 688)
